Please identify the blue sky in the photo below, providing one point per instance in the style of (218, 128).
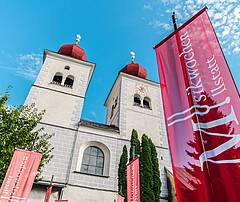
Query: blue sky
(109, 29)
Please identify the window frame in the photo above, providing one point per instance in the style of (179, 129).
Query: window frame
(90, 156)
(70, 77)
(57, 74)
(148, 100)
(136, 103)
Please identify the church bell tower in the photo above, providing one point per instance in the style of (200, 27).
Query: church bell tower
(61, 85)
(135, 103)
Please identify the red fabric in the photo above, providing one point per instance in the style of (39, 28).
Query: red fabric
(20, 176)
(120, 198)
(48, 194)
(73, 50)
(133, 181)
(202, 113)
(135, 70)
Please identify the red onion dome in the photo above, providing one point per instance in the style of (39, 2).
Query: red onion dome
(135, 70)
(73, 50)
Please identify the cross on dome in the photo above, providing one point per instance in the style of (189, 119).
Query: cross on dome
(132, 56)
(78, 38)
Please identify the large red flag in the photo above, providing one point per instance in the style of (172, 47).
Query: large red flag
(133, 181)
(20, 176)
(202, 113)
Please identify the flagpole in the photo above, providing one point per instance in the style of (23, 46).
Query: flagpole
(51, 182)
(181, 27)
(174, 20)
(49, 191)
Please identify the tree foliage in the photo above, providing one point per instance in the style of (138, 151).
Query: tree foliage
(146, 171)
(156, 172)
(134, 143)
(122, 173)
(18, 129)
(150, 183)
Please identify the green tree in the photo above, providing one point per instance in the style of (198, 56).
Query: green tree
(18, 130)
(156, 172)
(122, 173)
(146, 171)
(135, 143)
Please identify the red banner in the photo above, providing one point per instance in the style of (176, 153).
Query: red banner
(133, 181)
(48, 194)
(20, 176)
(120, 198)
(202, 113)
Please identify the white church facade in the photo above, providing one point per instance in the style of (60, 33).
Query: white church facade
(86, 154)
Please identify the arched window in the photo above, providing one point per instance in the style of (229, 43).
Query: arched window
(112, 111)
(57, 79)
(137, 100)
(146, 103)
(69, 81)
(114, 106)
(93, 161)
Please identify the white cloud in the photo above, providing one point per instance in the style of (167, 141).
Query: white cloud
(225, 16)
(147, 7)
(28, 65)
(24, 65)
(236, 50)
(159, 24)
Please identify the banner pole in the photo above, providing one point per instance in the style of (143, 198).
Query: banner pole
(174, 20)
(51, 182)
(180, 27)
(49, 190)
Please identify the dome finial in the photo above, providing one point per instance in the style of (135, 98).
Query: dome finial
(132, 56)
(78, 38)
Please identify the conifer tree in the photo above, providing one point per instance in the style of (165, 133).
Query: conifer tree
(122, 173)
(146, 171)
(156, 172)
(135, 143)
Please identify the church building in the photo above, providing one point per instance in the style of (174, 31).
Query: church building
(86, 154)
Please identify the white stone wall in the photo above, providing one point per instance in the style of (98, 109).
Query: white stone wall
(53, 63)
(81, 194)
(63, 105)
(114, 95)
(63, 109)
(62, 142)
(148, 121)
(88, 187)
(107, 182)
